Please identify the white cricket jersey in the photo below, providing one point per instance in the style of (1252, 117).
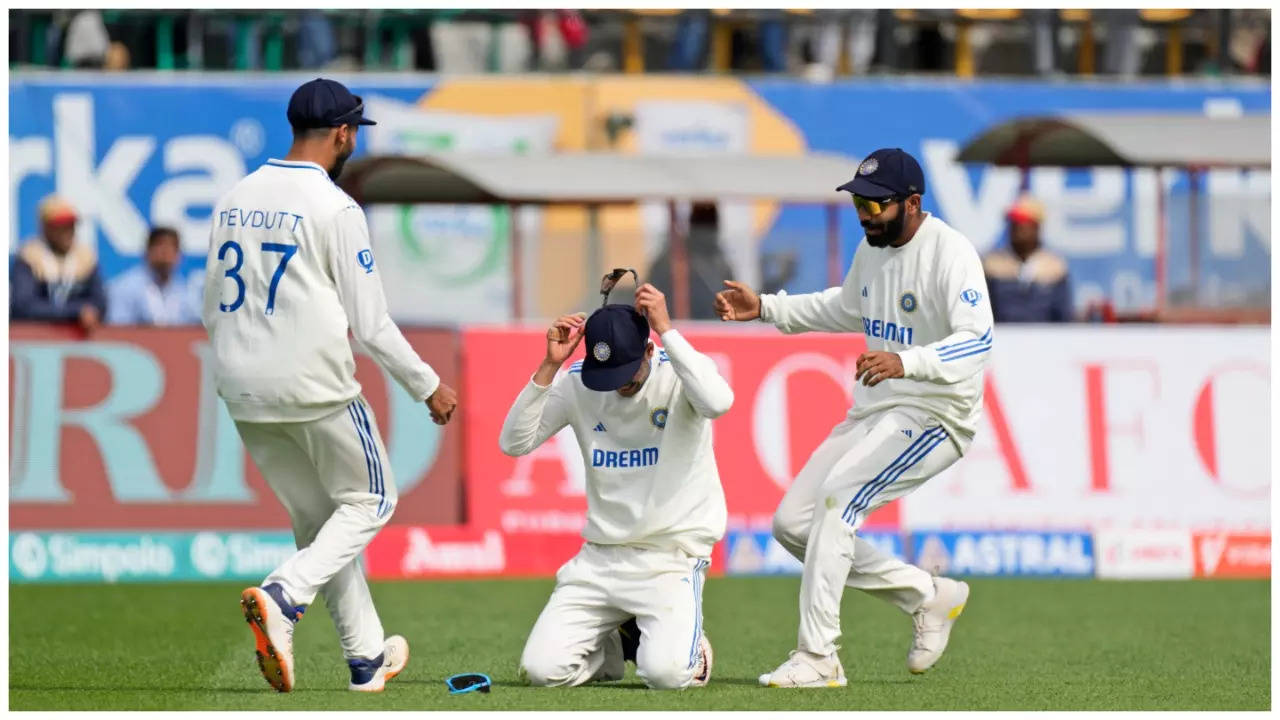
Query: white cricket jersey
(926, 301)
(289, 271)
(651, 472)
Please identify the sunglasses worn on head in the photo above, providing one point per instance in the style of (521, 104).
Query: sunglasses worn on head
(874, 207)
(609, 281)
(468, 682)
(351, 116)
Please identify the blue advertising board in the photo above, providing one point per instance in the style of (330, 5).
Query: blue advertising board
(755, 552)
(137, 149)
(995, 553)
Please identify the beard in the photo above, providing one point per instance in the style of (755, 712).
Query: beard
(336, 170)
(886, 232)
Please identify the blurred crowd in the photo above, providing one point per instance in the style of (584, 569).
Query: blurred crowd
(55, 279)
(819, 44)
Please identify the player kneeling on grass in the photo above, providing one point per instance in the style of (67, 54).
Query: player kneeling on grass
(654, 501)
(917, 292)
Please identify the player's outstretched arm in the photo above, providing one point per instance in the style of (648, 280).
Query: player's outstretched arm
(541, 409)
(708, 393)
(827, 311)
(361, 295)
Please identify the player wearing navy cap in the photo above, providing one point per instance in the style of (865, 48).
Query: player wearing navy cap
(920, 298)
(655, 506)
(289, 272)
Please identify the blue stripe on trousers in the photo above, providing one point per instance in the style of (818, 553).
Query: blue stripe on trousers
(697, 609)
(919, 455)
(377, 457)
(368, 463)
(920, 442)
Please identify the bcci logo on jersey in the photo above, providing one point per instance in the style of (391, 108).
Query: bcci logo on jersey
(624, 458)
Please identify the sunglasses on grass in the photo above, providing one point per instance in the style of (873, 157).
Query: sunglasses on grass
(469, 682)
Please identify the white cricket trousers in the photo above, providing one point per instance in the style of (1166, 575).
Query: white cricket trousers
(333, 478)
(862, 465)
(596, 591)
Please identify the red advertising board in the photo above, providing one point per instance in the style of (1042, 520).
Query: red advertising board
(125, 431)
(414, 551)
(789, 391)
(1232, 554)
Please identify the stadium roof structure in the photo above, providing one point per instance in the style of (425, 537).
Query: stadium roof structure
(1129, 140)
(596, 178)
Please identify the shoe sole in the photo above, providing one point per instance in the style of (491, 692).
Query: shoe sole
(838, 683)
(954, 613)
(274, 667)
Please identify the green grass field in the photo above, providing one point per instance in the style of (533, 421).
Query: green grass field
(1021, 644)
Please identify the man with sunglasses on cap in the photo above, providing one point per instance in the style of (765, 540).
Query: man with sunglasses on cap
(655, 506)
(916, 291)
(290, 270)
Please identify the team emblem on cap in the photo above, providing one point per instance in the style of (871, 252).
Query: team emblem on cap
(908, 302)
(868, 166)
(659, 418)
(601, 351)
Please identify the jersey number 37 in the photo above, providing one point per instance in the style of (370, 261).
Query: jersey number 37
(286, 252)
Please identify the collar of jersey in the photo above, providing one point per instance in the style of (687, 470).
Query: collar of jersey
(296, 165)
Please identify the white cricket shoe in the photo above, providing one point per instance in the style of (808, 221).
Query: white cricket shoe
(372, 675)
(933, 623)
(702, 670)
(273, 635)
(804, 669)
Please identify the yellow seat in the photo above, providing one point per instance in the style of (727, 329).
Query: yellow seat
(1074, 15)
(990, 15)
(1157, 15)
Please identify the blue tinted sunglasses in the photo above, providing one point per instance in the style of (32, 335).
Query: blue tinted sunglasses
(468, 682)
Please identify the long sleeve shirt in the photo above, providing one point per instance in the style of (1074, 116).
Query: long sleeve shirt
(652, 479)
(290, 271)
(926, 301)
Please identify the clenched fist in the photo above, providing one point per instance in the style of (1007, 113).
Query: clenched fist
(442, 404)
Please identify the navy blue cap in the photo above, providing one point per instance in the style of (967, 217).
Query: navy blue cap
(885, 173)
(323, 103)
(617, 337)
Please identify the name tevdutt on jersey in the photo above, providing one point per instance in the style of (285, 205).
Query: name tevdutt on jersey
(264, 219)
(887, 331)
(643, 457)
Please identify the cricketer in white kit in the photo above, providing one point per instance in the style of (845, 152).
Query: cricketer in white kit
(289, 271)
(655, 506)
(916, 290)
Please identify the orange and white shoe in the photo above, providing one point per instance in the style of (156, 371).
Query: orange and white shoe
(272, 625)
(933, 623)
(372, 675)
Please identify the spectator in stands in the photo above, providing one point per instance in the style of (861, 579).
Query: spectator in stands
(707, 266)
(54, 278)
(1027, 282)
(87, 41)
(154, 292)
